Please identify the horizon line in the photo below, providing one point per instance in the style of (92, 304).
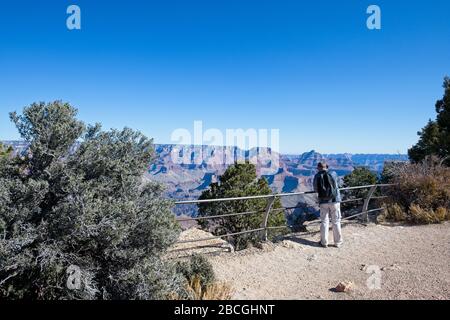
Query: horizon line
(247, 150)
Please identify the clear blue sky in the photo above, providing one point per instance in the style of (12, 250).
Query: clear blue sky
(309, 68)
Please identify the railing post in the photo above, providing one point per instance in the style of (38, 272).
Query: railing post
(269, 205)
(366, 202)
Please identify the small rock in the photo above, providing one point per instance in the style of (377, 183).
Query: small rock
(286, 244)
(290, 244)
(266, 246)
(391, 267)
(395, 267)
(228, 246)
(344, 286)
(363, 267)
(311, 257)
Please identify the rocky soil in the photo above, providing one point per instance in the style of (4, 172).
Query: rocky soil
(375, 262)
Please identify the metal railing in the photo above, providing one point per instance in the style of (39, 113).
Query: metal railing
(268, 209)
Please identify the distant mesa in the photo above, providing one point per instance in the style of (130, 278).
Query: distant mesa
(188, 179)
(295, 172)
(290, 184)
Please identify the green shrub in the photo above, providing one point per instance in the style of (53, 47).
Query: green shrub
(82, 224)
(199, 281)
(360, 176)
(197, 266)
(5, 151)
(240, 180)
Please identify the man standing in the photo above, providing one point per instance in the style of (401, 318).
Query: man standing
(327, 187)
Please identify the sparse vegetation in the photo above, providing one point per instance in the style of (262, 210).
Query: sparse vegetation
(240, 180)
(393, 212)
(197, 267)
(421, 215)
(196, 290)
(212, 291)
(422, 190)
(421, 193)
(200, 281)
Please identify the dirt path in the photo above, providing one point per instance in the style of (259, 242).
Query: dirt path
(413, 262)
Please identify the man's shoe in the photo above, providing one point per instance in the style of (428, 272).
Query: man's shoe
(338, 245)
(322, 245)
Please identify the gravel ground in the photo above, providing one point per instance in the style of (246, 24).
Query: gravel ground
(412, 262)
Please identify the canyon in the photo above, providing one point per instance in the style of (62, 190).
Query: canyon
(202, 165)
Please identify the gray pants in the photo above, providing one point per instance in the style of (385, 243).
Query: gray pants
(332, 210)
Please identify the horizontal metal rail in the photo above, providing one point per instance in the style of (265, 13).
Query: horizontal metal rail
(368, 186)
(234, 214)
(218, 246)
(260, 211)
(272, 195)
(363, 212)
(222, 236)
(269, 210)
(352, 200)
(219, 216)
(347, 218)
(244, 198)
(269, 228)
